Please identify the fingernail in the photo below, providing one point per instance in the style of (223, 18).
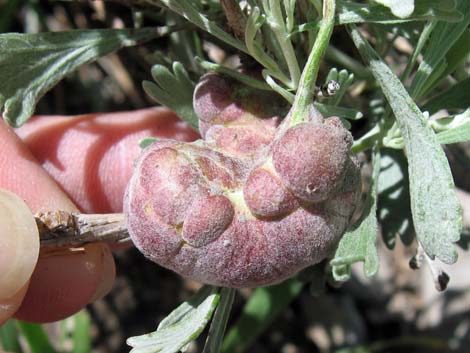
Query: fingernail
(8, 306)
(19, 243)
(109, 273)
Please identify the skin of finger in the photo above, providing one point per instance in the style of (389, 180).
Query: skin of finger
(20, 173)
(107, 279)
(85, 268)
(95, 178)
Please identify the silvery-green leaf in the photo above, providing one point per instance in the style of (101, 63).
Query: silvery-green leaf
(183, 325)
(359, 244)
(400, 8)
(31, 64)
(173, 90)
(436, 210)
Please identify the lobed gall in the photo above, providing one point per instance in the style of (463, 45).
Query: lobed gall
(252, 203)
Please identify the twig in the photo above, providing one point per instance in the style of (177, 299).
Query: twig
(306, 91)
(235, 17)
(64, 229)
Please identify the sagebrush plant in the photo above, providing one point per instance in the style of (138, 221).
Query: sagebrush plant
(272, 186)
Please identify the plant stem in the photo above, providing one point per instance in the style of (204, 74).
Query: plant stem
(306, 91)
(60, 229)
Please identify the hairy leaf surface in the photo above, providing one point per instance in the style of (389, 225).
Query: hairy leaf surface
(359, 243)
(31, 64)
(183, 325)
(436, 210)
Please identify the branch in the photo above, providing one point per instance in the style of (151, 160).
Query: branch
(63, 229)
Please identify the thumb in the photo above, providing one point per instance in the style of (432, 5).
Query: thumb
(19, 243)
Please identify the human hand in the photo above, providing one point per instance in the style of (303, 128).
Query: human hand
(85, 159)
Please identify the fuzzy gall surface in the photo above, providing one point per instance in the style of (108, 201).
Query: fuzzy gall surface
(245, 207)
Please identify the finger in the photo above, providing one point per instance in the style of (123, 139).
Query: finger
(91, 156)
(75, 267)
(20, 173)
(19, 250)
(8, 306)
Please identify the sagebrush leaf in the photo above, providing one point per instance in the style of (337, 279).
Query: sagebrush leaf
(436, 210)
(173, 90)
(183, 325)
(359, 244)
(31, 64)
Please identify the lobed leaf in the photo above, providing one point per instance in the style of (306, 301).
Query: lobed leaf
(183, 325)
(174, 90)
(359, 244)
(31, 64)
(435, 208)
